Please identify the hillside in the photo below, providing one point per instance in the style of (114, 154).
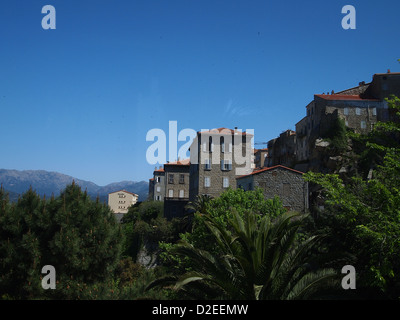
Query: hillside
(46, 183)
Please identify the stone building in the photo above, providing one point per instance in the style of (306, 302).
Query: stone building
(157, 185)
(302, 152)
(217, 157)
(286, 183)
(282, 150)
(260, 157)
(359, 107)
(176, 188)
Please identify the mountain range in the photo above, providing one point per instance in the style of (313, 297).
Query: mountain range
(16, 182)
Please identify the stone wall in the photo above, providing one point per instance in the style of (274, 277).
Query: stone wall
(287, 184)
(235, 147)
(176, 171)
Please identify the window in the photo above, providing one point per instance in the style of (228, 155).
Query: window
(171, 179)
(207, 182)
(204, 147)
(226, 165)
(181, 193)
(158, 179)
(170, 193)
(158, 189)
(158, 198)
(346, 111)
(207, 164)
(358, 111)
(181, 178)
(346, 123)
(225, 182)
(374, 111)
(363, 125)
(222, 142)
(210, 144)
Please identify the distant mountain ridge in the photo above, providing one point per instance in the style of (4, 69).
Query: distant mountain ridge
(47, 183)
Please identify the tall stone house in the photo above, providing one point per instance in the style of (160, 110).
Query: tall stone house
(176, 188)
(217, 157)
(157, 185)
(286, 183)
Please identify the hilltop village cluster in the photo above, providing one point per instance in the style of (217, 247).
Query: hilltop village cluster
(277, 169)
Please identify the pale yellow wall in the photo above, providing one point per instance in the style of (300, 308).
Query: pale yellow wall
(120, 201)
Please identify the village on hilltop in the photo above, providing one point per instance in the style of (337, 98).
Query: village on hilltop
(277, 169)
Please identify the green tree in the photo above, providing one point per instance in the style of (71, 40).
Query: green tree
(221, 209)
(257, 259)
(200, 204)
(79, 237)
(362, 212)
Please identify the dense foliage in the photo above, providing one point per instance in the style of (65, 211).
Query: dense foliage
(361, 212)
(79, 237)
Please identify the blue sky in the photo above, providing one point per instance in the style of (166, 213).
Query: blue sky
(80, 99)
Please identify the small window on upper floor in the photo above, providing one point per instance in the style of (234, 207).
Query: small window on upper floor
(225, 182)
(363, 125)
(207, 164)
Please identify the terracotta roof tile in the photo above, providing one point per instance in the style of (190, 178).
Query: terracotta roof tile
(224, 131)
(184, 162)
(134, 194)
(343, 97)
(256, 171)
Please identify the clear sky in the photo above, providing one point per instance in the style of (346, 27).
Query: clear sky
(80, 99)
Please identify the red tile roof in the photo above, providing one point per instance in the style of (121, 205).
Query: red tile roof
(343, 97)
(184, 162)
(269, 169)
(223, 131)
(134, 194)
